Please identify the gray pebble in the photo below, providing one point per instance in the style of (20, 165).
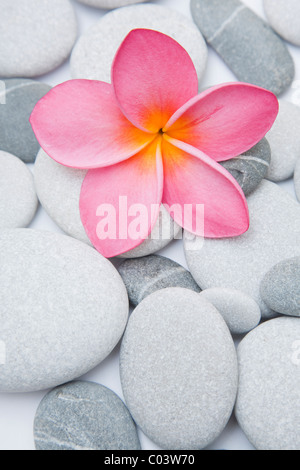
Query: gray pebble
(64, 308)
(284, 17)
(240, 312)
(109, 4)
(84, 416)
(143, 276)
(94, 52)
(269, 382)
(280, 288)
(250, 168)
(297, 179)
(36, 36)
(178, 369)
(18, 200)
(245, 42)
(242, 262)
(18, 97)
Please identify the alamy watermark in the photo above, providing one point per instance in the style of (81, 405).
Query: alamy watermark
(2, 353)
(296, 353)
(2, 92)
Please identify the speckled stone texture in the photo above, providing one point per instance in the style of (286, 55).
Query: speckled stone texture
(18, 200)
(63, 309)
(284, 17)
(146, 275)
(250, 168)
(18, 97)
(178, 369)
(109, 4)
(242, 262)
(84, 416)
(94, 52)
(36, 36)
(280, 288)
(268, 399)
(245, 42)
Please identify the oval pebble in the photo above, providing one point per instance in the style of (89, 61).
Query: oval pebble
(18, 97)
(58, 189)
(146, 275)
(36, 36)
(64, 308)
(178, 369)
(94, 52)
(284, 139)
(109, 4)
(284, 17)
(242, 262)
(18, 200)
(280, 287)
(245, 42)
(267, 406)
(240, 312)
(84, 416)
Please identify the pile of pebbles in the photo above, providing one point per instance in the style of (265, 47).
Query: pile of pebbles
(202, 344)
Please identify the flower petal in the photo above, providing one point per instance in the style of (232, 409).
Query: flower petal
(153, 76)
(192, 178)
(226, 120)
(119, 205)
(79, 124)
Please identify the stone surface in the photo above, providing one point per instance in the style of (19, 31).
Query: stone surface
(94, 52)
(280, 288)
(250, 168)
(178, 369)
(245, 42)
(58, 189)
(297, 179)
(109, 4)
(63, 309)
(84, 416)
(18, 201)
(284, 139)
(240, 312)
(284, 17)
(36, 36)
(242, 262)
(268, 399)
(17, 100)
(146, 275)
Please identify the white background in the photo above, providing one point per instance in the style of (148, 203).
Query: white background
(17, 411)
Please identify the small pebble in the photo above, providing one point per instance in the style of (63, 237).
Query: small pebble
(109, 4)
(240, 312)
(94, 52)
(250, 168)
(18, 200)
(19, 97)
(36, 36)
(284, 17)
(84, 416)
(280, 288)
(269, 382)
(284, 139)
(178, 369)
(245, 42)
(146, 275)
(297, 179)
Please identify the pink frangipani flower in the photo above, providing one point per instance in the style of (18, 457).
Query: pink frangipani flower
(151, 137)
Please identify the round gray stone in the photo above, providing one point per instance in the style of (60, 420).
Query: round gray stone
(284, 17)
(240, 312)
(109, 4)
(245, 42)
(18, 97)
(297, 179)
(242, 262)
(250, 168)
(36, 36)
(58, 189)
(94, 52)
(280, 288)
(267, 406)
(284, 139)
(146, 275)
(63, 309)
(178, 369)
(18, 200)
(84, 416)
